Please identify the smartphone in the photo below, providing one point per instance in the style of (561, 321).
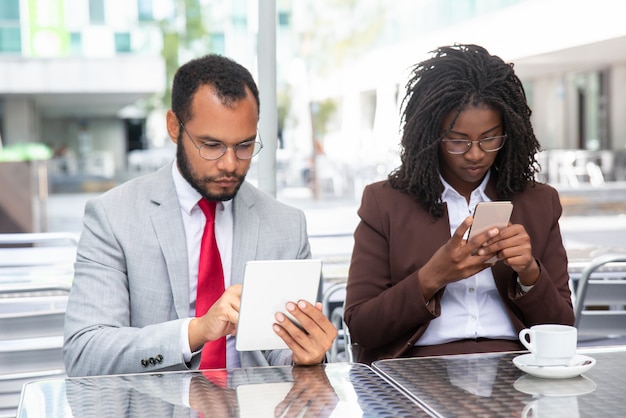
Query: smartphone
(490, 215)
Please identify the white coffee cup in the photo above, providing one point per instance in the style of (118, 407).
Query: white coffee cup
(550, 344)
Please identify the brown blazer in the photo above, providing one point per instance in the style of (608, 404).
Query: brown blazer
(385, 309)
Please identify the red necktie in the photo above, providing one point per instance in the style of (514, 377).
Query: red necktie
(210, 286)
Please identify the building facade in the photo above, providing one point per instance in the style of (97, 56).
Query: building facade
(570, 54)
(80, 75)
(71, 73)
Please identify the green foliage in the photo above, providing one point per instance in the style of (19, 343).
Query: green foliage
(177, 42)
(343, 32)
(323, 113)
(25, 151)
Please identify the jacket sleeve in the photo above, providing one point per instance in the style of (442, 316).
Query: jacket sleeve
(549, 300)
(99, 336)
(382, 309)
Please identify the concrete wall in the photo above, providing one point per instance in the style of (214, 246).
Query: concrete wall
(617, 121)
(548, 103)
(20, 120)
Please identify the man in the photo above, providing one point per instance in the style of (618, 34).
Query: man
(132, 307)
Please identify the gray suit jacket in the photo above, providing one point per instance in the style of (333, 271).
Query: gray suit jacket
(130, 292)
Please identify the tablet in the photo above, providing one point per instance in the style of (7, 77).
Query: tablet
(267, 287)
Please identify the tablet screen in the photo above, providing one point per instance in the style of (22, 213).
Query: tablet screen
(267, 287)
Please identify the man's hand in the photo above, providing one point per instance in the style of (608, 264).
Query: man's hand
(309, 344)
(212, 400)
(219, 321)
(311, 393)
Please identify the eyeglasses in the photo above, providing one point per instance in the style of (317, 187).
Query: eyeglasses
(461, 146)
(214, 150)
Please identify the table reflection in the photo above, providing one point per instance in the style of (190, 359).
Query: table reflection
(491, 385)
(311, 393)
(553, 400)
(208, 394)
(331, 390)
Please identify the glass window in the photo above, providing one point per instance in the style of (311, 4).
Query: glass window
(284, 18)
(10, 33)
(76, 43)
(122, 42)
(10, 40)
(218, 43)
(10, 10)
(145, 10)
(240, 14)
(96, 12)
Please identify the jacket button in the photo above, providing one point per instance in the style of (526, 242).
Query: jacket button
(159, 358)
(144, 363)
(152, 361)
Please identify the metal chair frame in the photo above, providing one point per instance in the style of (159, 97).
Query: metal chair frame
(600, 304)
(35, 281)
(343, 342)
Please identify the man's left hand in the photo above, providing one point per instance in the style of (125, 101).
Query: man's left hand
(310, 343)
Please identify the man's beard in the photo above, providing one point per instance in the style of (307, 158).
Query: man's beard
(197, 183)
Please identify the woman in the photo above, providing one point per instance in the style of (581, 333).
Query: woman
(416, 287)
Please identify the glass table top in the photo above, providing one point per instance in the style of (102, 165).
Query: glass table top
(491, 385)
(331, 390)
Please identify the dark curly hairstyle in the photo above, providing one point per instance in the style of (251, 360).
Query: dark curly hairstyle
(454, 77)
(227, 77)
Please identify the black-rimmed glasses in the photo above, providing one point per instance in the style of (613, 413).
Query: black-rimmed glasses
(214, 150)
(461, 146)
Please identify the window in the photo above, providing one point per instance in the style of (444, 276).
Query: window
(10, 39)
(96, 12)
(10, 10)
(284, 19)
(122, 42)
(76, 43)
(145, 10)
(218, 43)
(10, 33)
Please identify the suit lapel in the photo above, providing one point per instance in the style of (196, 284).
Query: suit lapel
(245, 231)
(170, 232)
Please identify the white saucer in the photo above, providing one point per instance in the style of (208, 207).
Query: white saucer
(536, 386)
(526, 363)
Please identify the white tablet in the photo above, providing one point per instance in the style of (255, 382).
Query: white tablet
(267, 287)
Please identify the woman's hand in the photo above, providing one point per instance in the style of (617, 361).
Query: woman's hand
(513, 247)
(457, 259)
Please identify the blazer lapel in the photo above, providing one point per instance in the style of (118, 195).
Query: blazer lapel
(170, 232)
(245, 231)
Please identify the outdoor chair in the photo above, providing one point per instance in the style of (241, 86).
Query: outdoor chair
(36, 270)
(343, 348)
(600, 301)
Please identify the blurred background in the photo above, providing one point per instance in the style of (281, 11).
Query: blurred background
(84, 86)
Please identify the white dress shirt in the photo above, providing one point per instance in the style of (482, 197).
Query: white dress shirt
(194, 220)
(470, 308)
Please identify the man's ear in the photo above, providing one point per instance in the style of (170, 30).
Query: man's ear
(173, 126)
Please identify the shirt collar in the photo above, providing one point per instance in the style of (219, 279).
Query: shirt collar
(188, 197)
(449, 191)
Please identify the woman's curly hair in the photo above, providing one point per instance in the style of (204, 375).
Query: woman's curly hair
(456, 76)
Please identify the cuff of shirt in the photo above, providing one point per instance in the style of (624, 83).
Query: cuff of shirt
(523, 289)
(184, 341)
